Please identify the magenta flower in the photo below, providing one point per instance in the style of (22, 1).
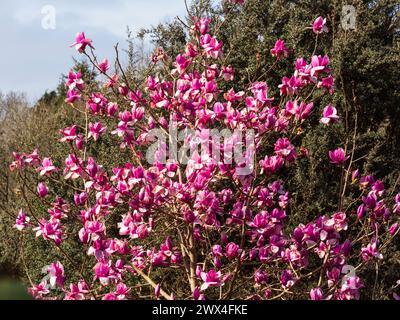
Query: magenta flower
(69, 134)
(22, 221)
(56, 272)
(211, 46)
(271, 164)
(279, 50)
(81, 42)
(319, 25)
(104, 66)
(204, 25)
(39, 290)
(316, 294)
(393, 229)
(287, 279)
(72, 96)
(327, 83)
(47, 167)
(181, 63)
(232, 250)
(211, 279)
(75, 81)
(303, 111)
(42, 190)
(96, 130)
(329, 115)
(371, 251)
(338, 156)
(50, 230)
(228, 73)
(285, 149)
(396, 207)
(261, 277)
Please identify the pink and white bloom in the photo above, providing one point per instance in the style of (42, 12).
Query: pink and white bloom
(104, 66)
(50, 230)
(40, 290)
(75, 81)
(211, 279)
(47, 167)
(22, 221)
(72, 96)
(329, 115)
(56, 273)
(279, 50)
(81, 42)
(371, 251)
(42, 190)
(338, 156)
(96, 130)
(319, 25)
(69, 134)
(316, 294)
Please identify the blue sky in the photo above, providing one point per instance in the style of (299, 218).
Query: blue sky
(32, 58)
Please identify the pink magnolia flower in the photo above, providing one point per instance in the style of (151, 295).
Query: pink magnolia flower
(50, 230)
(371, 251)
(338, 156)
(81, 42)
(319, 25)
(42, 190)
(232, 250)
(204, 25)
(228, 73)
(329, 115)
(157, 291)
(180, 64)
(39, 290)
(122, 291)
(211, 46)
(96, 130)
(69, 134)
(319, 64)
(47, 167)
(316, 294)
(303, 110)
(104, 66)
(394, 228)
(327, 83)
(79, 142)
(104, 273)
(72, 96)
(350, 288)
(56, 272)
(287, 279)
(396, 207)
(211, 279)
(261, 277)
(271, 164)
(279, 50)
(290, 86)
(285, 149)
(22, 221)
(75, 81)
(77, 292)
(361, 211)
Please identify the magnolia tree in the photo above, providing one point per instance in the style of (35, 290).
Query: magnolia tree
(203, 198)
